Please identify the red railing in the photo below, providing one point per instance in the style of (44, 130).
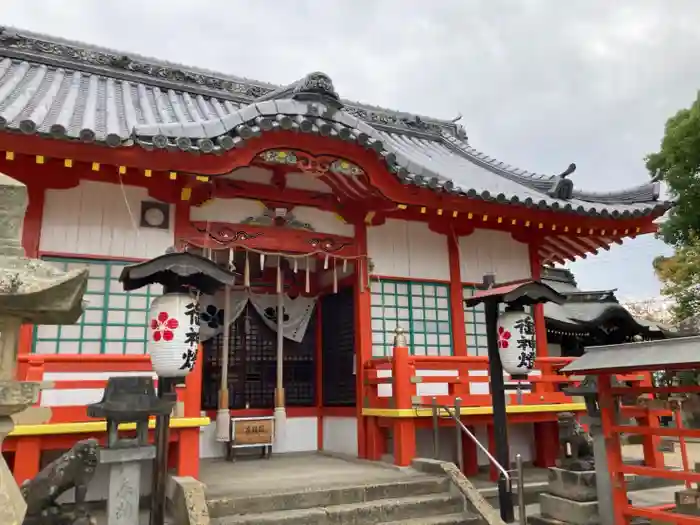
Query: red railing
(405, 381)
(73, 381)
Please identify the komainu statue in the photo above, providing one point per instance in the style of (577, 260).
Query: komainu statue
(575, 445)
(74, 469)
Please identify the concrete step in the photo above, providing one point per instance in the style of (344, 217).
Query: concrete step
(534, 489)
(365, 513)
(447, 519)
(220, 506)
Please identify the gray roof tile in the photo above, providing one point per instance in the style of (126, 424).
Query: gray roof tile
(39, 96)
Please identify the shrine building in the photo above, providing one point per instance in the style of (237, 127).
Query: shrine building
(358, 219)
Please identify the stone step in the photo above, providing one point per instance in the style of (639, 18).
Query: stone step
(447, 519)
(534, 489)
(364, 513)
(230, 505)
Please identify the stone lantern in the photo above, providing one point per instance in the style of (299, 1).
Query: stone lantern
(31, 291)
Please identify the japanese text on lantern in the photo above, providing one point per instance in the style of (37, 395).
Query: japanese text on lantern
(189, 356)
(525, 342)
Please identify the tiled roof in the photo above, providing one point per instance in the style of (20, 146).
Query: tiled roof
(70, 91)
(588, 310)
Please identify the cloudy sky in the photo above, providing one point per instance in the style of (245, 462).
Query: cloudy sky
(540, 83)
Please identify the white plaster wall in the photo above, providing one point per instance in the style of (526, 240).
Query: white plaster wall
(102, 219)
(408, 249)
(304, 181)
(53, 397)
(442, 389)
(227, 210)
(422, 389)
(301, 436)
(493, 251)
(340, 435)
(323, 221)
(520, 440)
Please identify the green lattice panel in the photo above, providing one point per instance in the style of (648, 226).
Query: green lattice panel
(475, 324)
(114, 321)
(421, 309)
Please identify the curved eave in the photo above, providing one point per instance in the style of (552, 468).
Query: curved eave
(414, 161)
(36, 99)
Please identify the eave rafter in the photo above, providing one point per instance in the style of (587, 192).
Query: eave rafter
(565, 236)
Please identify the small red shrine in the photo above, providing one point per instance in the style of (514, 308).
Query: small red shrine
(358, 219)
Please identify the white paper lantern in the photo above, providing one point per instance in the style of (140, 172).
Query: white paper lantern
(516, 342)
(173, 337)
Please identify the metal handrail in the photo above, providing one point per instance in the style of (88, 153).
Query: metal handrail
(471, 436)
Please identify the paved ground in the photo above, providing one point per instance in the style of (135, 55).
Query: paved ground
(670, 459)
(294, 472)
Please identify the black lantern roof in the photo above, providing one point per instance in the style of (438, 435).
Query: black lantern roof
(521, 293)
(176, 271)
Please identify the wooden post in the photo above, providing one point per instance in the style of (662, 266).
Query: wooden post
(404, 427)
(459, 334)
(363, 331)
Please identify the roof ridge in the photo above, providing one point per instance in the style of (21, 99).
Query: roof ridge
(645, 192)
(247, 90)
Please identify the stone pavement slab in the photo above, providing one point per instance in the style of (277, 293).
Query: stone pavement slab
(287, 473)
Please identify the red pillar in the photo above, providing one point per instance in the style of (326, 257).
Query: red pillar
(469, 455)
(459, 335)
(404, 427)
(376, 445)
(538, 309)
(188, 452)
(546, 443)
(363, 331)
(653, 457)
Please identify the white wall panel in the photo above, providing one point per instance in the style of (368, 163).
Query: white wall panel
(323, 221)
(227, 210)
(102, 219)
(340, 435)
(493, 251)
(408, 249)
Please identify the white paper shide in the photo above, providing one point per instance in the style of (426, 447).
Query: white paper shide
(173, 337)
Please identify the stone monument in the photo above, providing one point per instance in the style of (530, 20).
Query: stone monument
(31, 291)
(572, 496)
(127, 400)
(73, 470)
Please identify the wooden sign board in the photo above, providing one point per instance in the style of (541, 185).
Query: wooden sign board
(252, 432)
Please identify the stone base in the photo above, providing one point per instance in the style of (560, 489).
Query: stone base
(569, 511)
(538, 519)
(577, 486)
(688, 502)
(13, 508)
(186, 501)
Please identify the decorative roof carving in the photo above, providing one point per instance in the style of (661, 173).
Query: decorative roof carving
(211, 114)
(563, 188)
(270, 218)
(315, 86)
(35, 47)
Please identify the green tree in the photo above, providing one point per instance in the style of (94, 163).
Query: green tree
(677, 163)
(680, 278)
